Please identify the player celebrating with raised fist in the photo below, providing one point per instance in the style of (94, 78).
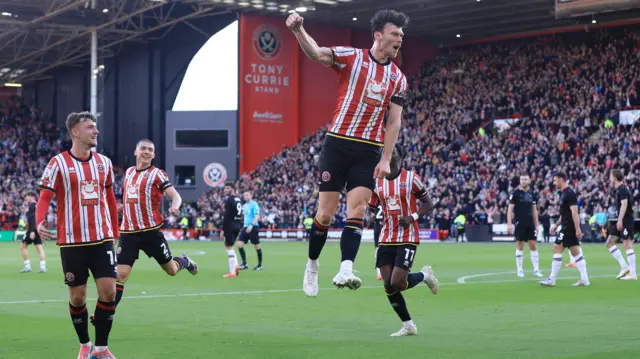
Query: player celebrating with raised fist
(398, 195)
(358, 146)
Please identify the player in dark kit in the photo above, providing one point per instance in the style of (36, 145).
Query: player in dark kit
(377, 228)
(358, 145)
(570, 234)
(522, 204)
(231, 227)
(622, 228)
(32, 236)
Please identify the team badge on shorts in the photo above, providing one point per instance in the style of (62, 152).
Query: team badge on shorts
(326, 176)
(119, 250)
(69, 277)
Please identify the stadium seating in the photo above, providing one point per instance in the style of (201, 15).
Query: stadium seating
(561, 89)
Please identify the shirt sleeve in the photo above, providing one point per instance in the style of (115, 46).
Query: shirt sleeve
(109, 181)
(534, 198)
(162, 180)
(256, 210)
(50, 179)
(572, 199)
(400, 91)
(512, 198)
(419, 189)
(342, 57)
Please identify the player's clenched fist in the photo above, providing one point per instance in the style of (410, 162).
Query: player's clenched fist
(294, 22)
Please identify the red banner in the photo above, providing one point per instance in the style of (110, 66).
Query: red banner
(268, 89)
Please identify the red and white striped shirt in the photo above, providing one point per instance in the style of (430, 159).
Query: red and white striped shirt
(80, 188)
(143, 191)
(398, 198)
(365, 88)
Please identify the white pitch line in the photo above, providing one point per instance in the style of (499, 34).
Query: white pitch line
(209, 294)
(462, 280)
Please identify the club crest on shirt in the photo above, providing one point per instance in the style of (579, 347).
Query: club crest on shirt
(89, 192)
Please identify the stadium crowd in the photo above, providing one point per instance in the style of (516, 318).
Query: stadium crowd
(561, 95)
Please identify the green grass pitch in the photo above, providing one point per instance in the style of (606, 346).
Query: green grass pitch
(492, 315)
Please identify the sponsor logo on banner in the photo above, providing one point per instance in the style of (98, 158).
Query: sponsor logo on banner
(267, 117)
(428, 234)
(214, 175)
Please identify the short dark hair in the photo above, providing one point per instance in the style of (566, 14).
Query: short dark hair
(387, 16)
(230, 184)
(562, 175)
(75, 118)
(144, 140)
(31, 194)
(618, 175)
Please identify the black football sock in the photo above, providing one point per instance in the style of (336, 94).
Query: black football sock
(119, 292)
(413, 279)
(243, 255)
(103, 321)
(317, 239)
(182, 262)
(259, 251)
(350, 239)
(80, 319)
(397, 302)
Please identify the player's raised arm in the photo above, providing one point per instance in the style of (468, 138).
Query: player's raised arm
(323, 55)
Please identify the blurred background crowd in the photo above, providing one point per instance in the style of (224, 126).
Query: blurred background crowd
(477, 117)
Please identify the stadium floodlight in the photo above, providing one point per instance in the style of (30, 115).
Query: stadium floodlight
(301, 9)
(12, 84)
(326, 2)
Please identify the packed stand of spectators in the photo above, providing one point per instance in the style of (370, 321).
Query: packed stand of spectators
(561, 89)
(27, 142)
(565, 91)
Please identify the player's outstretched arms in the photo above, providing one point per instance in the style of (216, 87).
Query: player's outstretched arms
(307, 43)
